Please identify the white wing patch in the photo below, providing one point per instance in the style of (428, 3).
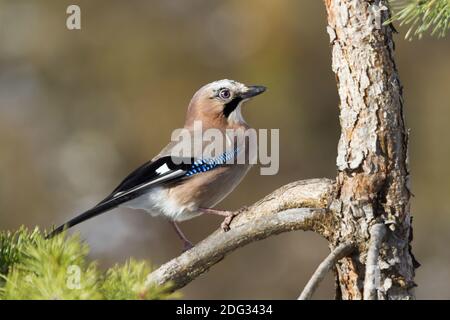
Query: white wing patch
(170, 175)
(163, 169)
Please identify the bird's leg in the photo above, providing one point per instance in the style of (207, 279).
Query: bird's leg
(186, 243)
(229, 215)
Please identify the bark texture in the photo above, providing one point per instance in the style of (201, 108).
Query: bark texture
(372, 181)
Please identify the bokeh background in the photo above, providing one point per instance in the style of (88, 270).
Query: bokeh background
(80, 109)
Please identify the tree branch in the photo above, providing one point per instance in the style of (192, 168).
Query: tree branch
(300, 205)
(338, 253)
(372, 277)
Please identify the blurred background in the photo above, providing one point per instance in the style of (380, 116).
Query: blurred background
(80, 109)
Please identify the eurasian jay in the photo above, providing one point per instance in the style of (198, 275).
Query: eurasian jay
(183, 187)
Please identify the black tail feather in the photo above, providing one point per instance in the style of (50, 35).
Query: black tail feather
(136, 184)
(102, 207)
(78, 219)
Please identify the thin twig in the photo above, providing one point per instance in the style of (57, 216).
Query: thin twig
(372, 277)
(265, 218)
(338, 253)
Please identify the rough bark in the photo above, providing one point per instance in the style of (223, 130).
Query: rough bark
(372, 181)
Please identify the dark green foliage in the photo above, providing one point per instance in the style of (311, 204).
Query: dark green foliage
(11, 247)
(422, 16)
(32, 267)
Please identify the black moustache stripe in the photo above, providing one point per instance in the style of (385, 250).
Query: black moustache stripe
(231, 106)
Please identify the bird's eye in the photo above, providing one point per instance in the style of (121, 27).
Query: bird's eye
(224, 94)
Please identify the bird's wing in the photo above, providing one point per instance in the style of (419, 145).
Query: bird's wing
(156, 172)
(151, 173)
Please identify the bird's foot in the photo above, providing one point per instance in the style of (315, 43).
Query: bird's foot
(187, 245)
(225, 225)
(242, 209)
(229, 218)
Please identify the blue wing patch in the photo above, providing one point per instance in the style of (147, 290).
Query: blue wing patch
(203, 165)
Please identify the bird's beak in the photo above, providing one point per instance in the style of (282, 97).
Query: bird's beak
(252, 91)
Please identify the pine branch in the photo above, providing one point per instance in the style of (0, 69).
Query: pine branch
(32, 267)
(422, 16)
(300, 205)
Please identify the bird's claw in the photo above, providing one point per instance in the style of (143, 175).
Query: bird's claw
(187, 245)
(242, 209)
(227, 221)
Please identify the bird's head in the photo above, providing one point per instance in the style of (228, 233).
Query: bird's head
(220, 102)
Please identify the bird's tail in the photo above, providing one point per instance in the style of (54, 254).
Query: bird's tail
(102, 207)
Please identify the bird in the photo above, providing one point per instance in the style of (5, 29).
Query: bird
(180, 188)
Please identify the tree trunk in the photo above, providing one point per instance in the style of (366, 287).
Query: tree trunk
(372, 182)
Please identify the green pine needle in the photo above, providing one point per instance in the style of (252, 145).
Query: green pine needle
(422, 16)
(32, 267)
